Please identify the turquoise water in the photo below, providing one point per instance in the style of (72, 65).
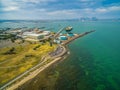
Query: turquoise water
(94, 63)
(94, 60)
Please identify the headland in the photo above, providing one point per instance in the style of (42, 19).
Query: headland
(34, 48)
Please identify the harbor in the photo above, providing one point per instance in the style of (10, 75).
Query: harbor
(59, 39)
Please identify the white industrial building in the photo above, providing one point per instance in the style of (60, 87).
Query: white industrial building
(35, 36)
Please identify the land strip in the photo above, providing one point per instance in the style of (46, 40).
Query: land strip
(37, 69)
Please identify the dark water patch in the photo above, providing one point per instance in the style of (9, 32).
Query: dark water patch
(75, 73)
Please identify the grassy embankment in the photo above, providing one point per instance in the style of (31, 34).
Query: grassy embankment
(14, 61)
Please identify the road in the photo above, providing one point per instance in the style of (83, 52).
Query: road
(25, 73)
(61, 50)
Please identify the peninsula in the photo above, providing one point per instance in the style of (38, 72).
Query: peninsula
(25, 53)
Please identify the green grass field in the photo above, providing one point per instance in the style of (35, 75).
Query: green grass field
(16, 61)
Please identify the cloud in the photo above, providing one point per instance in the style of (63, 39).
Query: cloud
(11, 8)
(57, 9)
(101, 10)
(39, 1)
(107, 9)
(85, 0)
(114, 8)
(9, 5)
(85, 12)
(64, 12)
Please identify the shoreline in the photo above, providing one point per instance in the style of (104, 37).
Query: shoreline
(56, 56)
(38, 70)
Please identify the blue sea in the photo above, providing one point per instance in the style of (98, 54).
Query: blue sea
(94, 60)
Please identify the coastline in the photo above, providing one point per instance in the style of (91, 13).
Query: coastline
(56, 55)
(37, 71)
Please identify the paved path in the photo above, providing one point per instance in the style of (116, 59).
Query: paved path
(12, 81)
(32, 75)
(58, 52)
(36, 72)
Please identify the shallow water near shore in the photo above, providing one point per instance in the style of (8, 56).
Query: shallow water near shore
(93, 63)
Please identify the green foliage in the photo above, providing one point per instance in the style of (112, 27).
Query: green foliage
(25, 58)
(29, 55)
(13, 40)
(36, 47)
(10, 51)
(22, 40)
(7, 36)
(29, 42)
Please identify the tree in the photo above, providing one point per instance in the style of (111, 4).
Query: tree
(12, 39)
(10, 51)
(50, 42)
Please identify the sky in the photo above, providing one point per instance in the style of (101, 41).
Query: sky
(58, 9)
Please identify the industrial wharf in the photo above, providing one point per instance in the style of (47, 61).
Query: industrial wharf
(77, 36)
(57, 55)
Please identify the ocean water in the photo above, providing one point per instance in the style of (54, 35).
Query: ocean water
(93, 63)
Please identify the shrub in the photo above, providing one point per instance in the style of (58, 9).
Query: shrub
(29, 55)
(36, 47)
(10, 51)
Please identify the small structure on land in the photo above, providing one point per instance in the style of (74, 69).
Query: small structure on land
(35, 36)
(63, 38)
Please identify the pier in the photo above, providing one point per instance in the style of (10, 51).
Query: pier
(76, 36)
